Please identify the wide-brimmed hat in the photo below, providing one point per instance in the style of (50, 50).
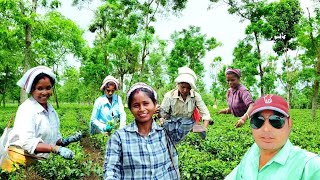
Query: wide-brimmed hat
(109, 79)
(186, 75)
(271, 102)
(27, 79)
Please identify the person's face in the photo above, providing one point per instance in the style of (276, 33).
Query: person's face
(42, 91)
(109, 90)
(142, 107)
(267, 137)
(184, 88)
(232, 80)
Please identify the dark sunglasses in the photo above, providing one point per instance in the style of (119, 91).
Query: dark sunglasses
(277, 121)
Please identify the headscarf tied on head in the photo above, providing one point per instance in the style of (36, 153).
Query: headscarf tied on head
(186, 75)
(109, 79)
(236, 71)
(27, 79)
(141, 85)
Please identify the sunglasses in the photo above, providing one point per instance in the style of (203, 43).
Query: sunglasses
(277, 121)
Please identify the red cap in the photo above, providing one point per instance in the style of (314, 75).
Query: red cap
(271, 102)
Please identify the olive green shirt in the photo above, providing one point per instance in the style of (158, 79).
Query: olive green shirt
(174, 104)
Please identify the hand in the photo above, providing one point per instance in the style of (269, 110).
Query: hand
(73, 138)
(239, 123)
(162, 120)
(108, 127)
(65, 153)
(158, 109)
(223, 111)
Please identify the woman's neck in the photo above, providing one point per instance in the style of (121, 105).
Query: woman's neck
(144, 128)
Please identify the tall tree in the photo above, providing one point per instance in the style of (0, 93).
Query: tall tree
(190, 47)
(309, 39)
(252, 11)
(283, 17)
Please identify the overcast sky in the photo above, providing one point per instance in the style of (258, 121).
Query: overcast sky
(215, 22)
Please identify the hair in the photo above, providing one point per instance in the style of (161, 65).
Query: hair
(233, 74)
(148, 92)
(37, 79)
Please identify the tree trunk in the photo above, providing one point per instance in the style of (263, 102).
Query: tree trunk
(27, 53)
(260, 66)
(316, 89)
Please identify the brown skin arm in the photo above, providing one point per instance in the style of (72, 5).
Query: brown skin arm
(43, 148)
(244, 118)
(206, 123)
(225, 111)
(46, 148)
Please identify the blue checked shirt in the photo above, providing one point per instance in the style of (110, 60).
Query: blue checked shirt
(132, 156)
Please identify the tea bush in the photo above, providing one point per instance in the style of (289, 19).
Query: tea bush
(212, 158)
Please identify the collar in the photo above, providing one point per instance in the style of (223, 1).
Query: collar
(134, 128)
(105, 100)
(176, 93)
(39, 108)
(282, 156)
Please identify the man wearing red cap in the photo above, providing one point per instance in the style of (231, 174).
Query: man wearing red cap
(272, 156)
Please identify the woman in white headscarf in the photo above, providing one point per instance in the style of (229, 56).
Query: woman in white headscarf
(182, 101)
(108, 108)
(36, 132)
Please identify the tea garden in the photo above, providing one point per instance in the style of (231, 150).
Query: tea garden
(212, 158)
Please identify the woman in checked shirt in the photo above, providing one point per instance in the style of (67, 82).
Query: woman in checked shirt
(143, 149)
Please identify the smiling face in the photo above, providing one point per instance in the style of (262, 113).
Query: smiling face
(268, 138)
(42, 91)
(233, 80)
(142, 107)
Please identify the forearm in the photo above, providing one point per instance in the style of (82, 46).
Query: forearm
(206, 123)
(246, 115)
(44, 148)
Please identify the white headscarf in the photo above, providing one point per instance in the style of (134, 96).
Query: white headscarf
(109, 79)
(27, 79)
(186, 75)
(141, 85)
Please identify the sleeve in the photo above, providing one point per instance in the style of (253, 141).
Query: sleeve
(24, 130)
(58, 122)
(165, 106)
(312, 168)
(94, 114)
(246, 97)
(122, 113)
(113, 165)
(233, 174)
(204, 112)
